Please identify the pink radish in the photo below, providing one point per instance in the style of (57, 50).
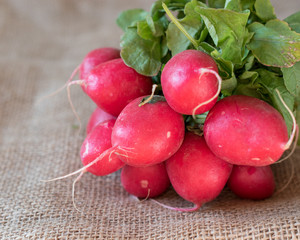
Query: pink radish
(96, 142)
(145, 182)
(96, 57)
(98, 116)
(244, 130)
(196, 174)
(112, 85)
(190, 82)
(254, 183)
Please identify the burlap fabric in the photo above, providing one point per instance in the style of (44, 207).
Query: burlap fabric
(41, 43)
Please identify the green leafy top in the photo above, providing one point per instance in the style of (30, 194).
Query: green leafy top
(256, 53)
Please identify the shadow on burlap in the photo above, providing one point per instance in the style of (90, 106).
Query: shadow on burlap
(41, 43)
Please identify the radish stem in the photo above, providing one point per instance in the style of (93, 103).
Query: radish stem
(150, 97)
(180, 27)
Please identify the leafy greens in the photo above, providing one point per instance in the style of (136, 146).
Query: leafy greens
(256, 53)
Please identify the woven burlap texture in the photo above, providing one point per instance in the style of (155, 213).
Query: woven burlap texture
(41, 43)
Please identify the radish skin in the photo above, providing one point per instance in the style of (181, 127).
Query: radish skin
(187, 87)
(112, 85)
(151, 133)
(96, 142)
(145, 182)
(98, 116)
(96, 57)
(250, 182)
(196, 174)
(142, 136)
(244, 130)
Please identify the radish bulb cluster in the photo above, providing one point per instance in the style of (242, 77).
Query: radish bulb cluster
(147, 135)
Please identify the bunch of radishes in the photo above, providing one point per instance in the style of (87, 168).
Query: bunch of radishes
(146, 134)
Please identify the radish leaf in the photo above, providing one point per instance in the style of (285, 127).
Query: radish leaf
(275, 44)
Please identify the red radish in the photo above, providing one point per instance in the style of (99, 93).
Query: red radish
(142, 135)
(190, 82)
(145, 182)
(249, 182)
(196, 174)
(149, 134)
(112, 85)
(96, 57)
(96, 142)
(244, 130)
(98, 116)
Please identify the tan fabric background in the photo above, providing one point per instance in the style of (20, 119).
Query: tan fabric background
(41, 42)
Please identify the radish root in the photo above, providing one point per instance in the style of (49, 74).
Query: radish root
(73, 190)
(293, 147)
(63, 87)
(147, 197)
(154, 86)
(203, 71)
(110, 151)
(192, 209)
(289, 180)
(295, 126)
(101, 156)
(80, 82)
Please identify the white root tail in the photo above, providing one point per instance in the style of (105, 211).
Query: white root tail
(288, 181)
(147, 197)
(112, 150)
(73, 190)
(79, 82)
(295, 126)
(202, 71)
(192, 209)
(293, 147)
(63, 87)
(83, 169)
